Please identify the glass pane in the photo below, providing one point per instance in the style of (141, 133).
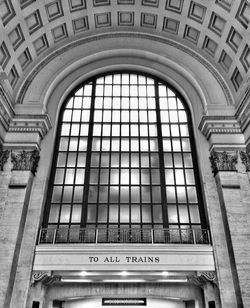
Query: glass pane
(75, 129)
(134, 160)
(181, 194)
(124, 194)
(59, 176)
(135, 194)
(102, 213)
(145, 191)
(155, 174)
(103, 194)
(80, 176)
(78, 194)
(178, 160)
(183, 214)
(71, 162)
(61, 160)
(146, 213)
(188, 160)
(157, 213)
(194, 214)
(192, 196)
(65, 213)
(135, 214)
(76, 213)
(115, 158)
(179, 177)
(135, 176)
(63, 144)
(65, 129)
(57, 194)
(73, 144)
(81, 160)
(76, 116)
(170, 191)
(156, 194)
(134, 145)
(113, 213)
(91, 215)
(67, 194)
(54, 213)
(168, 162)
(67, 115)
(124, 214)
(172, 213)
(189, 176)
(69, 178)
(125, 160)
(169, 176)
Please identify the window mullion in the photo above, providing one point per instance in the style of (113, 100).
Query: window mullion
(161, 159)
(88, 157)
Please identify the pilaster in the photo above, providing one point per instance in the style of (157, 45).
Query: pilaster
(15, 185)
(233, 185)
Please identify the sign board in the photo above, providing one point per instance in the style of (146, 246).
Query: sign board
(124, 301)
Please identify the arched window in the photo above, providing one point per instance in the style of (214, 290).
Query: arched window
(124, 157)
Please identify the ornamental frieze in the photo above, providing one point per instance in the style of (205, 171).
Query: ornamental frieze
(223, 161)
(25, 160)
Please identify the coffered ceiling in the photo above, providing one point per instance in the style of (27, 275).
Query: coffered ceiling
(218, 29)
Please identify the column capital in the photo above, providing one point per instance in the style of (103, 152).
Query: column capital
(25, 160)
(223, 161)
(4, 154)
(245, 158)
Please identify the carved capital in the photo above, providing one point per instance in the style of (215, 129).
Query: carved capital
(3, 157)
(223, 161)
(202, 278)
(25, 160)
(45, 278)
(245, 158)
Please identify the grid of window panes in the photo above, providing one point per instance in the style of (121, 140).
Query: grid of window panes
(124, 157)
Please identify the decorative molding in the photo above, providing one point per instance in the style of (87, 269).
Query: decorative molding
(45, 278)
(25, 160)
(223, 161)
(202, 278)
(219, 125)
(162, 40)
(31, 123)
(245, 158)
(3, 157)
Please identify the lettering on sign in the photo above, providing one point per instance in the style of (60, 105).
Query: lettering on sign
(124, 259)
(124, 302)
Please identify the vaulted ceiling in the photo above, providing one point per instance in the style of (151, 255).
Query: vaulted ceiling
(218, 29)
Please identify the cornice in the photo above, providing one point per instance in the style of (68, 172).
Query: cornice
(137, 35)
(31, 124)
(219, 125)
